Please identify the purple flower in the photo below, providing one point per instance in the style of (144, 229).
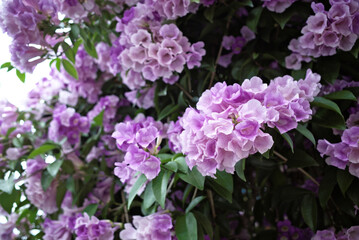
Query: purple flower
(155, 226)
(128, 15)
(93, 228)
(44, 200)
(353, 233)
(228, 124)
(324, 235)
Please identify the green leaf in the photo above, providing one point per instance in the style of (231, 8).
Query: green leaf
(288, 139)
(306, 133)
(172, 166)
(225, 180)
(355, 49)
(46, 180)
(70, 69)
(20, 75)
(327, 119)
(253, 18)
(7, 200)
(58, 64)
(328, 68)
(193, 177)
(6, 65)
(165, 157)
(326, 103)
(223, 185)
(301, 159)
(54, 167)
(342, 95)
(60, 194)
(282, 18)
(76, 46)
(186, 227)
(7, 185)
(240, 167)
(344, 180)
(204, 222)
(194, 203)
(309, 211)
(159, 186)
(70, 185)
(148, 196)
(90, 48)
(42, 149)
(182, 165)
(91, 209)
(138, 184)
(68, 52)
(98, 120)
(167, 111)
(327, 186)
(209, 13)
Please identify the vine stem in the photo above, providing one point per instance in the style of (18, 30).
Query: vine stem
(170, 186)
(184, 90)
(211, 202)
(125, 207)
(194, 194)
(300, 169)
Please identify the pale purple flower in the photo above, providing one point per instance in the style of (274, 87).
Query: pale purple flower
(278, 6)
(87, 228)
(58, 229)
(324, 235)
(44, 200)
(228, 125)
(155, 226)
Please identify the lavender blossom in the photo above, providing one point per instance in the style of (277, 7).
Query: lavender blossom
(155, 226)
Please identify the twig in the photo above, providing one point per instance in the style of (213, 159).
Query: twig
(211, 202)
(309, 176)
(280, 156)
(125, 207)
(194, 194)
(300, 169)
(170, 186)
(184, 90)
(219, 54)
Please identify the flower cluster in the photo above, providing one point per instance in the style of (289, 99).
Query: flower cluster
(20, 20)
(44, 200)
(143, 98)
(325, 32)
(8, 114)
(108, 105)
(346, 234)
(148, 50)
(346, 152)
(59, 229)
(337, 86)
(155, 226)
(87, 228)
(7, 229)
(277, 6)
(87, 86)
(140, 139)
(235, 45)
(67, 123)
(286, 231)
(83, 226)
(75, 9)
(228, 125)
